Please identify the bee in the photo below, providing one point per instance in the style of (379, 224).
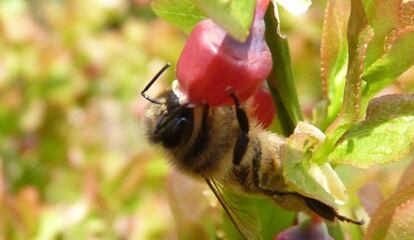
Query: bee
(229, 150)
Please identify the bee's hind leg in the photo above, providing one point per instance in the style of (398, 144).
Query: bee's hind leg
(242, 141)
(327, 212)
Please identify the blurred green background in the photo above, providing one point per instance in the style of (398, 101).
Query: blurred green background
(74, 163)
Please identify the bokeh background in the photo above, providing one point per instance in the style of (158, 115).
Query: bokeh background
(74, 163)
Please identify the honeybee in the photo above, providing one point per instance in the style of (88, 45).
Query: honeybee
(229, 150)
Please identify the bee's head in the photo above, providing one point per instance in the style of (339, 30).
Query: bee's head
(167, 121)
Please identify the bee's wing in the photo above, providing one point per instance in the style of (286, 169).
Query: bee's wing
(242, 215)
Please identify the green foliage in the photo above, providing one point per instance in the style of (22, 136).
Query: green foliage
(378, 50)
(378, 68)
(386, 135)
(396, 60)
(183, 14)
(235, 16)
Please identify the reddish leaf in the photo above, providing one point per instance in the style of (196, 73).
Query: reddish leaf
(333, 39)
(334, 53)
(383, 16)
(407, 14)
(359, 35)
(395, 217)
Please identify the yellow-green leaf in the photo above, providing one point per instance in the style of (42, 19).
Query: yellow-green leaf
(234, 16)
(383, 16)
(386, 135)
(183, 14)
(398, 58)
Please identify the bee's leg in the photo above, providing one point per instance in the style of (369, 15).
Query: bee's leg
(242, 141)
(318, 207)
(327, 211)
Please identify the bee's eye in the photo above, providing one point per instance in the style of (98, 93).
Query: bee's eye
(174, 132)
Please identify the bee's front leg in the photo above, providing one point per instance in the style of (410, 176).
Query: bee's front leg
(242, 141)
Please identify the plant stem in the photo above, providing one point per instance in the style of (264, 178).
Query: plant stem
(280, 80)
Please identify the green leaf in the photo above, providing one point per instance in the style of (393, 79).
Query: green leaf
(383, 16)
(183, 14)
(334, 55)
(394, 219)
(386, 135)
(398, 58)
(234, 16)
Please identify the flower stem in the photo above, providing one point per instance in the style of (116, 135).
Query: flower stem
(280, 80)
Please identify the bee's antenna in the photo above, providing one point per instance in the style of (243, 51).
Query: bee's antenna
(155, 78)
